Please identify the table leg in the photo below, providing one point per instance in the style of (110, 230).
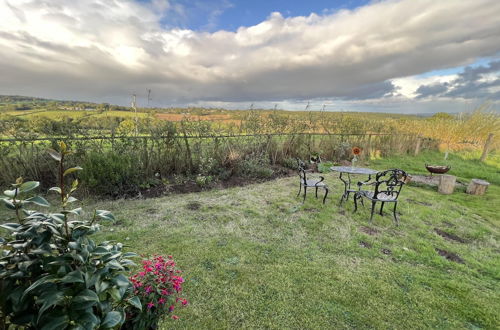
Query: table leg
(346, 187)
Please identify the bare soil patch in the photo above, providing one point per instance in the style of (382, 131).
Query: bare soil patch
(450, 256)
(386, 252)
(368, 230)
(192, 186)
(193, 205)
(365, 244)
(449, 236)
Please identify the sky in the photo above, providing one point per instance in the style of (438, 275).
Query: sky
(403, 56)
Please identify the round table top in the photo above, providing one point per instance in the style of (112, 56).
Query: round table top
(353, 170)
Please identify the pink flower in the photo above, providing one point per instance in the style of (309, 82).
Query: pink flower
(184, 302)
(164, 292)
(171, 308)
(141, 274)
(151, 305)
(149, 289)
(175, 317)
(161, 301)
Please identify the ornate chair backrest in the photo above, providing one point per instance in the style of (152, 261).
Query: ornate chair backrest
(302, 170)
(390, 182)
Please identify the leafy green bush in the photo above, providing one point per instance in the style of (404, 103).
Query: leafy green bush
(324, 167)
(290, 163)
(112, 174)
(255, 166)
(52, 274)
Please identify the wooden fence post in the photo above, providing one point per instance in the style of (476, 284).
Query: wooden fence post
(487, 146)
(419, 144)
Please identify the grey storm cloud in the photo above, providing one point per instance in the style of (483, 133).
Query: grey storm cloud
(106, 50)
(482, 82)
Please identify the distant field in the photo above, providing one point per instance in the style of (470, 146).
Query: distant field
(58, 114)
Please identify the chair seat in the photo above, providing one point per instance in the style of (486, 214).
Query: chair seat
(313, 183)
(380, 197)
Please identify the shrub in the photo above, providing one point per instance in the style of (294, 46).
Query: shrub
(204, 180)
(112, 174)
(255, 166)
(290, 163)
(158, 286)
(52, 274)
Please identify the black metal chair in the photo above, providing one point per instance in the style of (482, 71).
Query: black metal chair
(310, 183)
(387, 186)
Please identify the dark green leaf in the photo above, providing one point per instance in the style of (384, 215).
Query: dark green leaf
(8, 203)
(56, 323)
(136, 302)
(114, 264)
(115, 294)
(86, 296)
(50, 298)
(121, 280)
(73, 277)
(39, 283)
(87, 320)
(101, 286)
(111, 320)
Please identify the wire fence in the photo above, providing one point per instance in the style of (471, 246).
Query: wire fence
(138, 137)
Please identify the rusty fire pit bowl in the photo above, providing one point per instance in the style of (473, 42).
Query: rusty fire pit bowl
(437, 169)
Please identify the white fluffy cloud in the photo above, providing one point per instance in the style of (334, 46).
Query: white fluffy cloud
(104, 50)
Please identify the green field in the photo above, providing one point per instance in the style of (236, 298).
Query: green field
(256, 257)
(58, 114)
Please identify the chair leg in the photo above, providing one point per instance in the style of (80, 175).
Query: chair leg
(305, 192)
(373, 209)
(396, 220)
(316, 192)
(381, 208)
(300, 189)
(356, 197)
(326, 194)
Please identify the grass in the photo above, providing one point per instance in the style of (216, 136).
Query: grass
(256, 257)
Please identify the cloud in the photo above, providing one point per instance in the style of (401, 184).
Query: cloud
(482, 82)
(106, 50)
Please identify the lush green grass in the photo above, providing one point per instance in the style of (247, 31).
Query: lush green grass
(464, 165)
(256, 257)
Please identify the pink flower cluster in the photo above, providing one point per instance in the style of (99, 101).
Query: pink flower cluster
(158, 285)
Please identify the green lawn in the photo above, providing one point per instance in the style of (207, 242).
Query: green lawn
(256, 257)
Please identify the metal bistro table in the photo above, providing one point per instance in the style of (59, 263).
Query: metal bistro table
(347, 183)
